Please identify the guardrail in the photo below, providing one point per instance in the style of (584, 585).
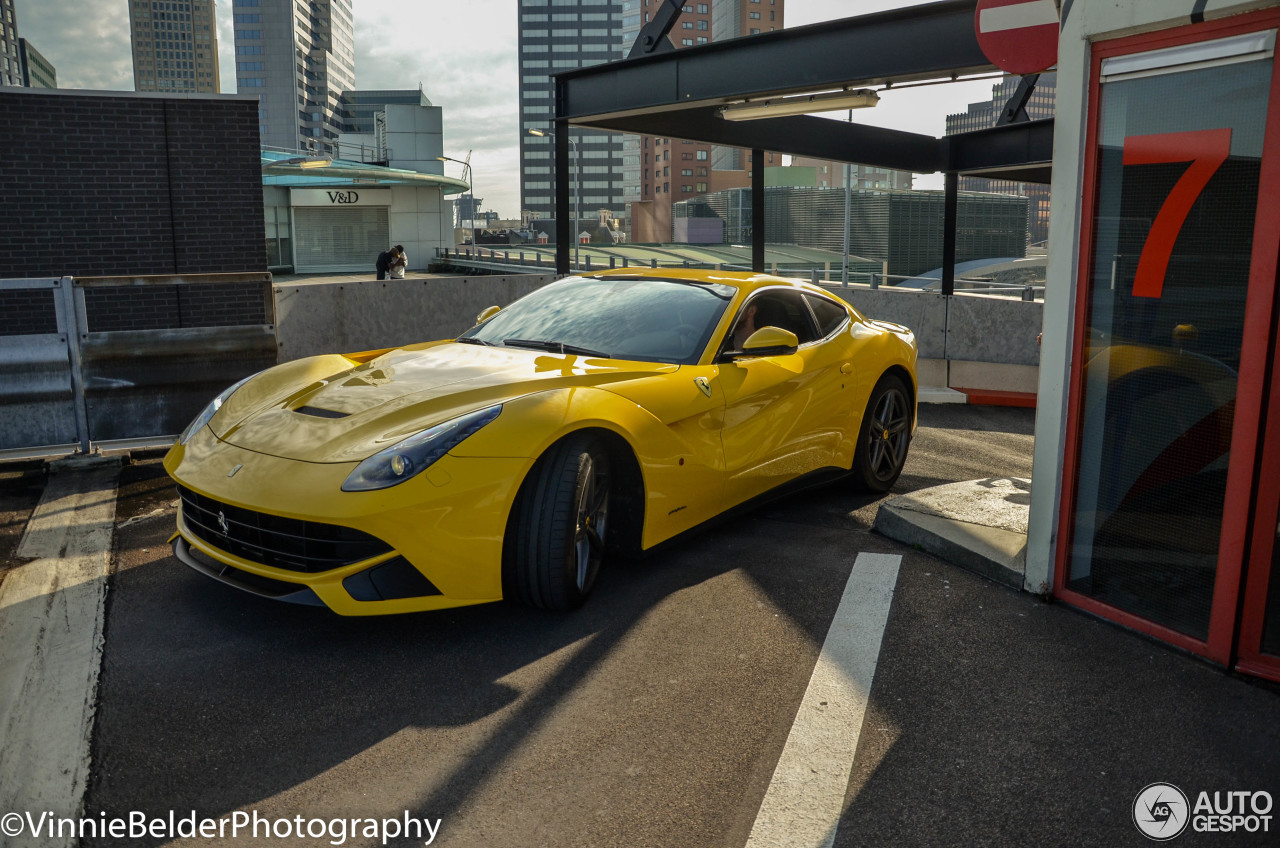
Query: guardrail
(516, 260)
(123, 361)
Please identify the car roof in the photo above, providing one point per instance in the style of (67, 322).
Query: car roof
(744, 281)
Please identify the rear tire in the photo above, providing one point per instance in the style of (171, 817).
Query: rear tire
(884, 436)
(559, 526)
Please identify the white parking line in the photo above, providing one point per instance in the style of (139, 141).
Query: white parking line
(51, 617)
(802, 807)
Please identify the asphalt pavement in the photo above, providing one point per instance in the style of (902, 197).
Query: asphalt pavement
(655, 715)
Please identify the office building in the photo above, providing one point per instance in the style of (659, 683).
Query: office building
(367, 137)
(901, 229)
(360, 111)
(21, 65)
(831, 175)
(175, 46)
(555, 36)
(983, 115)
(299, 58)
(37, 71)
(739, 18)
(10, 60)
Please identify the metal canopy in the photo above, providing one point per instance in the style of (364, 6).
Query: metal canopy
(932, 41)
(678, 94)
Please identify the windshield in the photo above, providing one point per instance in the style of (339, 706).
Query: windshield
(622, 318)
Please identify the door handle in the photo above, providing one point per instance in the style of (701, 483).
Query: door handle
(846, 368)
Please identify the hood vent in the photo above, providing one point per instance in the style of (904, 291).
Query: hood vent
(320, 413)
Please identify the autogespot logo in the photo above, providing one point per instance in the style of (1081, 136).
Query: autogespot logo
(1160, 811)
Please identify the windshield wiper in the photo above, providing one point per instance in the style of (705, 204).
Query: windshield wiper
(473, 340)
(555, 347)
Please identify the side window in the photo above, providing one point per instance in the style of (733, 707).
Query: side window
(830, 315)
(784, 309)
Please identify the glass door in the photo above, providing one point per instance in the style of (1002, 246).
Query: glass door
(1169, 358)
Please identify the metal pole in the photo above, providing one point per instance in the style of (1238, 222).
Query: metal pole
(757, 211)
(562, 196)
(949, 222)
(848, 203)
(577, 219)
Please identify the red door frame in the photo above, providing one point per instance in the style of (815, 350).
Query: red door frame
(1260, 303)
(1253, 611)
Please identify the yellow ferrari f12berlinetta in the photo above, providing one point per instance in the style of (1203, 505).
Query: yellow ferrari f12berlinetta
(598, 416)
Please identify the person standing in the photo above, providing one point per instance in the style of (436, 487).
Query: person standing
(398, 263)
(383, 264)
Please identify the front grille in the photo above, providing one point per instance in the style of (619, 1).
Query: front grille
(288, 543)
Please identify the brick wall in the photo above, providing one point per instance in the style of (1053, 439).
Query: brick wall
(111, 308)
(101, 184)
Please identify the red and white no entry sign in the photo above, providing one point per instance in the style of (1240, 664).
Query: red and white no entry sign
(1018, 36)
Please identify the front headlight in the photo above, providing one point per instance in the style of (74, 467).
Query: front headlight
(206, 415)
(403, 460)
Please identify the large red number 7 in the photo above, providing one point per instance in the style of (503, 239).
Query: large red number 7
(1206, 150)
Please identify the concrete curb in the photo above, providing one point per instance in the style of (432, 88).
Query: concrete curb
(941, 394)
(941, 537)
(979, 525)
(977, 397)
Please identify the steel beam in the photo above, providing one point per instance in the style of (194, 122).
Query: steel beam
(920, 42)
(1022, 152)
(802, 135)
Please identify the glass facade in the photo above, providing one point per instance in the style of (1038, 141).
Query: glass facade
(556, 36)
(175, 46)
(1179, 156)
(301, 58)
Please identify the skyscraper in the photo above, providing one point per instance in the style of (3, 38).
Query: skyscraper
(10, 64)
(554, 36)
(37, 72)
(298, 57)
(175, 45)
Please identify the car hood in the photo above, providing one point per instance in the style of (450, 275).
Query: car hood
(356, 412)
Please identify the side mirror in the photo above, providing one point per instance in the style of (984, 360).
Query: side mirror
(487, 314)
(770, 341)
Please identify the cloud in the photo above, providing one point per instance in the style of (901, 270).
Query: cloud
(464, 55)
(86, 40)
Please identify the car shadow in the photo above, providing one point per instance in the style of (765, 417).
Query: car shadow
(214, 700)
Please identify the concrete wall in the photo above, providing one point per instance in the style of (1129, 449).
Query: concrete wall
(421, 220)
(966, 342)
(349, 317)
(974, 342)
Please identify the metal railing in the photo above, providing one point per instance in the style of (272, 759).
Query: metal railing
(515, 259)
(102, 362)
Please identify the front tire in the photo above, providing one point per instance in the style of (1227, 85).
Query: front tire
(884, 436)
(560, 526)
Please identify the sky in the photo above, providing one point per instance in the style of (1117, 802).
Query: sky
(463, 52)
